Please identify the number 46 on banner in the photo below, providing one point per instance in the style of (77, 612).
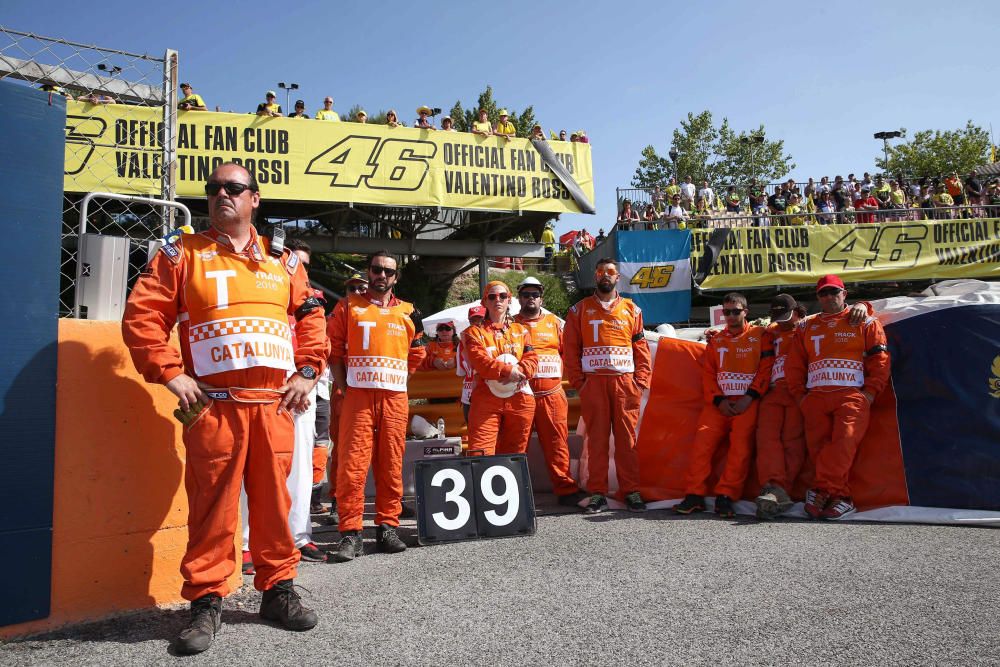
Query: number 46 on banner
(470, 498)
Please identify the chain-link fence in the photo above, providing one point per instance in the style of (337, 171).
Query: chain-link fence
(92, 77)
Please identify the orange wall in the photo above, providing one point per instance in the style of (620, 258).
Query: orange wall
(120, 512)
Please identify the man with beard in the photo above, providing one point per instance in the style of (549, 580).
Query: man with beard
(551, 406)
(608, 363)
(376, 344)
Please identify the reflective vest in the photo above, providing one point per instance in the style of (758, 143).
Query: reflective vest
(782, 338)
(236, 307)
(546, 339)
(378, 344)
(835, 351)
(607, 335)
(734, 359)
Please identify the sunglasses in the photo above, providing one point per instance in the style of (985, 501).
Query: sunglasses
(611, 273)
(530, 295)
(356, 288)
(233, 188)
(731, 312)
(828, 291)
(502, 296)
(444, 327)
(379, 270)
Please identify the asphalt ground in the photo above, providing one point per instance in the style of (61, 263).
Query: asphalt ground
(617, 588)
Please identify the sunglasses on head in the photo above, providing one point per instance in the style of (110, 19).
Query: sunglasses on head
(606, 272)
(502, 296)
(233, 188)
(379, 270)
(728, 312)
(829, 291)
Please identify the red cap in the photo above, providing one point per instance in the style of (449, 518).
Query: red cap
(477, 311)
(830, 280)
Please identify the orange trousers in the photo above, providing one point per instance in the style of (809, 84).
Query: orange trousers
(836, 422)
(610, 404)
(499, 425)
(229, 444)
(320, 455)
(551, 415)
(336, 402)
(713, 429)
(781, 442)
(372, 434)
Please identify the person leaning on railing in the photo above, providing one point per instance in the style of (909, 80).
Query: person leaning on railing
(628, 216)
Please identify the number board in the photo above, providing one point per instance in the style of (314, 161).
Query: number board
(473, 498)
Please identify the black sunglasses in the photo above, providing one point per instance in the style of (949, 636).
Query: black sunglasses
(355, 288)
(530, 295)
(379, 270)
(233, 188)
(444, 327)
(829, 291)
(731, 311)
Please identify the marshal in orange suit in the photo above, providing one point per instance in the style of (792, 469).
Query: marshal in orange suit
(232, 295)
(608, 362)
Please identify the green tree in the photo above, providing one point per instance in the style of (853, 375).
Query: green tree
(937, 153)
(464, 118)
(717, 154)
(374, 119)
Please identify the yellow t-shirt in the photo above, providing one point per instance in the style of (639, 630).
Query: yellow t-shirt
(194, 99)
(548, 237)
(323, 114)
(271, 108)
(482, 126)
(898, 197)
(672, 190)
(506, 128)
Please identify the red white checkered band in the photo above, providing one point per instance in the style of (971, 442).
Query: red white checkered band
(778, 370)
(617, 359)
(549, 366)
(734, 384)
(249, 325)
(239, 350)
(836, 373)
(377, 373)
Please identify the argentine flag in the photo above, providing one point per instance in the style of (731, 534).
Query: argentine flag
(655, 269)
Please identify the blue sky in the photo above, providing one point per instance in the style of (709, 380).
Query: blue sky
(822, 78)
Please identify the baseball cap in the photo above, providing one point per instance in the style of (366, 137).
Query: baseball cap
(270, 93)
(299, 103)
(318, 293)
(866, 188)
(503, 112)
(782, 307)
(356, 278)
(477, 311)
(185, 85)
(830, 280)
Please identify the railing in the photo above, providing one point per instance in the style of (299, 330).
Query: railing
(716, 220)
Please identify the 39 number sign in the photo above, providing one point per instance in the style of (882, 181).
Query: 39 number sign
(470, 498)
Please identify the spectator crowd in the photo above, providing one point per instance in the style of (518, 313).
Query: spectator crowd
(869, 200)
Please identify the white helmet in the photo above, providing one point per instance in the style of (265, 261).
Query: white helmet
(531, 281)
(503, 389)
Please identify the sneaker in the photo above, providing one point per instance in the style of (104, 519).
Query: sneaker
(572, 499)
(816, 501)
(206, 620)
(598, 503)
(248, 564)
(772, 502)
(724, 507)
(333, 518)
(282, 604)
(838, 507)
(350, 546)
(691, 503)
(312, 554)
(315, 506)
(634, 502)
(387, 540)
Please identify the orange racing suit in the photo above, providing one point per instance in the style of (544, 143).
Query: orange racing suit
(829, 365)
(607, 361)
(381, 345)
(551, 406)
(499, 425)
(733, 365)
(232, 310)
(781, 444)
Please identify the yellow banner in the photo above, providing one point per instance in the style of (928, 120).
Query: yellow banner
(761, 257)
(117, 148)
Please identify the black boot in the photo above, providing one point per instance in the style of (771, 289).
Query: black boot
(387, 540)
(333, 518)
(206, 619)
(350, 546)
(283, 604)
